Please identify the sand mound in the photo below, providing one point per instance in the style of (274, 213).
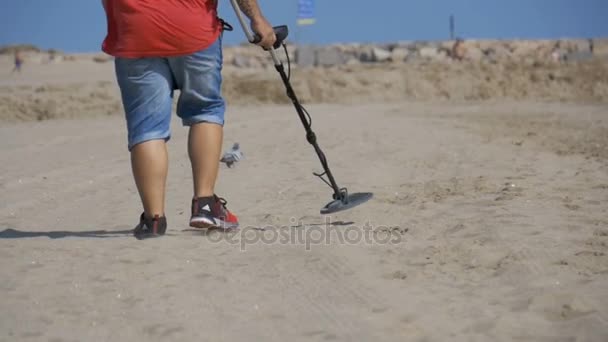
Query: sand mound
(27, 103)
(430, 81)
(66, 93)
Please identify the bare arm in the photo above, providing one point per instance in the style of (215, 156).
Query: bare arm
(250, 8)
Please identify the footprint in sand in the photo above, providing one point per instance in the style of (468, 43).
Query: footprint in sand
(397, 275)
(560, 306)
(509, 192)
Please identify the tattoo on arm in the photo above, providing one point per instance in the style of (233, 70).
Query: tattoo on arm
(250, 8)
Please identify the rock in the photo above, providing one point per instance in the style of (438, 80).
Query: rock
(346, 48)
(429, 52)
(366, 55)
(420, 44)
(329, 57)
(447, 45)
(380, 55)
(350, 51)
(399, 54)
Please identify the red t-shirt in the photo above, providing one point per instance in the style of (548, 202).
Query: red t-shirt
(160, 28)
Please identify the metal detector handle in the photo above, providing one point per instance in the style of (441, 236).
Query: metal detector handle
(250, 36)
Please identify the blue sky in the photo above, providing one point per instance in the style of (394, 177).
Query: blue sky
(79, 25)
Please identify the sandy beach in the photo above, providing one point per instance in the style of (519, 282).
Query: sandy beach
(489, 220)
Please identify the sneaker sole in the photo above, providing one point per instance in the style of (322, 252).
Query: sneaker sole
(205, 223)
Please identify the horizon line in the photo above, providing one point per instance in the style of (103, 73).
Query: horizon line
(362, 42)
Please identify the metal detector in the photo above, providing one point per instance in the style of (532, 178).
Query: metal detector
(342, 200)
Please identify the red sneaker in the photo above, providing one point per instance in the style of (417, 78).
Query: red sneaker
(211, 212)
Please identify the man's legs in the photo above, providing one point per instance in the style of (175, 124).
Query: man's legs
(146, 88)
(201, 107)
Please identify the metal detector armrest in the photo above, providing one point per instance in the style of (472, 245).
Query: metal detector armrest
(281, 32)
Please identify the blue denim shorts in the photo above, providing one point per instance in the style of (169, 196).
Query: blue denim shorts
(147, 86)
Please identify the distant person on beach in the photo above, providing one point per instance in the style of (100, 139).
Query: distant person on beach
(459, 50)
(18, 61)
(52, 56)
(174, 45)
(556, 53)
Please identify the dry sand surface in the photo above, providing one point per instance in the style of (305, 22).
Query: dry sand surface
(489, 221)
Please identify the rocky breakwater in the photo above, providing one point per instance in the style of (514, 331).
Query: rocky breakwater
(566, 50)
(463, 70)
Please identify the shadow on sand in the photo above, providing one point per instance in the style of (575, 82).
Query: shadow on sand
(102, 234)
(10, 233)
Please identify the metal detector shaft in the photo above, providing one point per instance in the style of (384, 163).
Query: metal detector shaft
(310, 135)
